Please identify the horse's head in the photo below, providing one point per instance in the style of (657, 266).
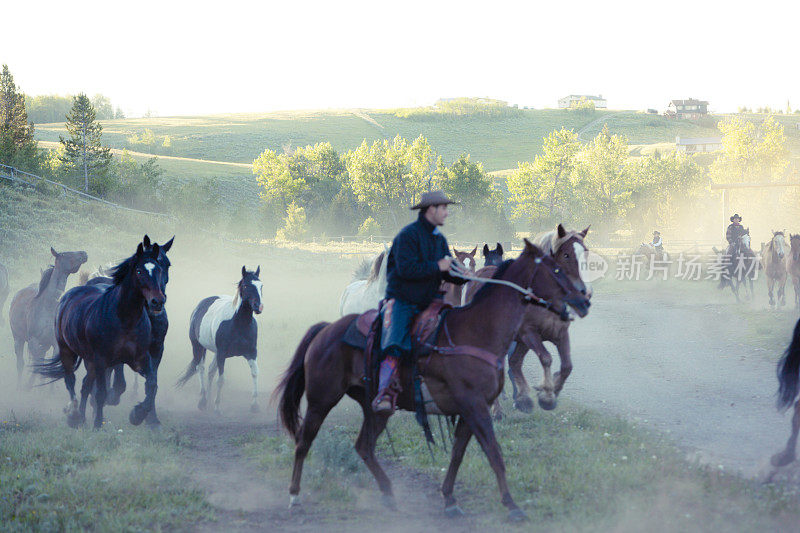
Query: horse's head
(794, 243)
(69, 262)
(492, 257)
(145, 274)
(250, 290)
(778, 244)
(163, 260)
(744, 241)
(569, 250)
(548, 280)
(467, 258)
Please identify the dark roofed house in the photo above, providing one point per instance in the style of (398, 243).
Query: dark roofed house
(690, 108)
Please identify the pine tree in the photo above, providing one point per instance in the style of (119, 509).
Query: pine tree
(17, 145)
(83, 150)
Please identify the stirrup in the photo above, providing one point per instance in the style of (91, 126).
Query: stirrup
(383, 405)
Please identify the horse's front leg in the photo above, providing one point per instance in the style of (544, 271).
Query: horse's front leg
(461, 438)
(254, 374)
(545, 394)
(565, 369)
(522, 391)
(140, 410)
(788, 454)
(770, 287)
(475, 412)
(100, 391)
(782, 294)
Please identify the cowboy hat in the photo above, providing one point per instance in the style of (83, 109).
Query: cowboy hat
(656, 232)
(736, 216)
(433, 198)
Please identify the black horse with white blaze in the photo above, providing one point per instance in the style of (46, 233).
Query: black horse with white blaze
(226, 326)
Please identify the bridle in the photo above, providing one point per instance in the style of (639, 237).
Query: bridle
(529, 297)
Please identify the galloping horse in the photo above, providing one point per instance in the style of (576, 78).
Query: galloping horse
(227, 327)
(4, 287)
(740, 268)
(105, 326)
(33, 310)
(567, 248)
(364, 294)
(454, 294)
(159, 324)
(788, 377)
(461, 383)
(794, 266)
(774, 257)
(492, 257)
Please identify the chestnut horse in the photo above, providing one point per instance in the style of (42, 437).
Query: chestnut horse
(774, 257)
(325, 369)
(33, 310)
(454, 295)
(794, 266)
(106, 326)
(567, 248)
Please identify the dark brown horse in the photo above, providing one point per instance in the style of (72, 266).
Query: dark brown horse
(33, 310)
(325, 369)
(106, 326)
(788, 378)
(538, 325)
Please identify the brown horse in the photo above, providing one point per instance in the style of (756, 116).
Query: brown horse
(568, 249)
(454, 294)
(461, 383)
(33, 310)
(774, 258)
(794, 266)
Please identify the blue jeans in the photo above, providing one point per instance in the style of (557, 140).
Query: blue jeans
(396, 323)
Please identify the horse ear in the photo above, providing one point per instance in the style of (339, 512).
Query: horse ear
(156, 249)
(485, 250)
(499, 248)
(584, 232)
(244, 271)
(55, 254)
(139, 250)
(146, 241)
(474, 251)
(532, 249)
(258, 270)
(455, 252)
(167, 245)
(560, 231)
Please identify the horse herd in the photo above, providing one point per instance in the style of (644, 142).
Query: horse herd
(507, 308)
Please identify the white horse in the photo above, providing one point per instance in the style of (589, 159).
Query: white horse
(365, 294)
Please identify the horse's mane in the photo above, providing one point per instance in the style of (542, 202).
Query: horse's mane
(549, 241)
(481, 294)
(375, 271)
(46, 275)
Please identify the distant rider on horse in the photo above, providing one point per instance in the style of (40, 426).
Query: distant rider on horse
(418, 262)
(658, 244)
(733, 233)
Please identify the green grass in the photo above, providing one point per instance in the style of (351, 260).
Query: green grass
(57, 479)
(571, 469)
(498, 142)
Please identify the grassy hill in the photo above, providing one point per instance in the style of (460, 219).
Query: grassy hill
(499, 142)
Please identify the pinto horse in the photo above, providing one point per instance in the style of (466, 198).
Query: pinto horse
(33, 310)
(567, 248)
(226, 326)
(106, 326)
(159, 325)
(740, 268)
(774, 257)
(365, 293)
(326, 369)
(794, 266)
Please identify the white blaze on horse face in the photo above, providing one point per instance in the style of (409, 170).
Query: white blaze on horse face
(580, 255)
(259, 287)
(150, 266)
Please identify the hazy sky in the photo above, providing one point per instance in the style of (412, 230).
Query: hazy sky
(177, 57)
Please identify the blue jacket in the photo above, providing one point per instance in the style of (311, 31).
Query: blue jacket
(412, 272)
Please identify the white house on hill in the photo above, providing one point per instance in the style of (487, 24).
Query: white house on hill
(572, 99)
(695, 145)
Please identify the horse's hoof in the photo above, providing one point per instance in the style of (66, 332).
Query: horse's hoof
(75, 420)
(782, 459)
(137, 415)
(202, 404)
(113, 399)
(517, 515)
(454, 511)
(254, 408)
(294, 501)
(547, 403)
(524, 404)
(389, 501)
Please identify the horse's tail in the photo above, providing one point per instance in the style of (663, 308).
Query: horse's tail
(54, 369)
(191, 370)
(789, 371)
(293, 383)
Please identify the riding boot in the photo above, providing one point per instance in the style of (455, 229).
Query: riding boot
(384, 400)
